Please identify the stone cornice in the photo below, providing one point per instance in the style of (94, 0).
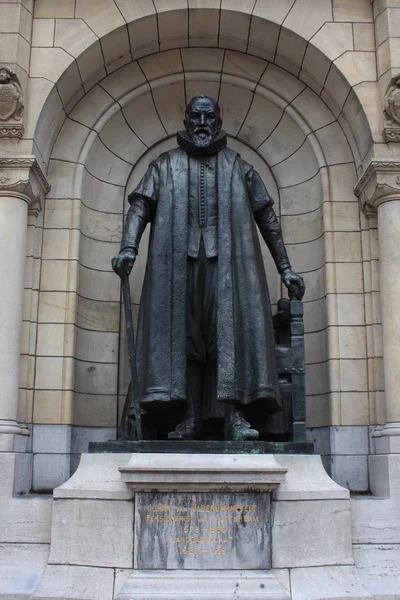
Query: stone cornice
(21, 177)
(379, 183)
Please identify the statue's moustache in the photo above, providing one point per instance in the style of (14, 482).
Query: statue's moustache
(202, 129)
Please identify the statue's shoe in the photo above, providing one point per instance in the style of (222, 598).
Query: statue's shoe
(238, 429)
(186, 430)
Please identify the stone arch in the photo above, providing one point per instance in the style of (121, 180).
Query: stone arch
(90, 49)
(306, 140)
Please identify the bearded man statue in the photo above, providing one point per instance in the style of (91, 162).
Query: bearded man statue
(205, 343)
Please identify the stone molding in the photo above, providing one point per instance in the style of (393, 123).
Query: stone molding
(387, 438)
(188, 472)
(391, 131)
(21, 177)
(379, 183)
(11, 104)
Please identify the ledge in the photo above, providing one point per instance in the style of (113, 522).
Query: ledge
(197, 472)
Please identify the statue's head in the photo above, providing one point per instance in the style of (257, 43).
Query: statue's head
(5, 75)
(202, 120)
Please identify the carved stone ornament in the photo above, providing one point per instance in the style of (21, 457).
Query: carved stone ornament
(379, 183)
(11, 104)
(391, 131)
(21, 177)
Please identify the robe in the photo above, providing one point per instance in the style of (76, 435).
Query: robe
(246, 369)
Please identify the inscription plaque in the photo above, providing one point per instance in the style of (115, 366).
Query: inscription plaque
(202, 530)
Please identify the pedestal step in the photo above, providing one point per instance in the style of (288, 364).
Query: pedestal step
(206, 585)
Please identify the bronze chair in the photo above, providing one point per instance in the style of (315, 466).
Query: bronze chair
(289, 425)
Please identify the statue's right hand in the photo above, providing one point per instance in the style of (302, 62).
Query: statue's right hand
(124, 261)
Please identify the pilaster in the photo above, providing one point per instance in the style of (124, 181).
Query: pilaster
(21, 177)
(379, 183)
(22, 187)
(379, 192)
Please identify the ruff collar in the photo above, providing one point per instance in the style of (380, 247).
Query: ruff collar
(216, 145)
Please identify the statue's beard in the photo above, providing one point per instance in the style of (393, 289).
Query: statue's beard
(202, 137)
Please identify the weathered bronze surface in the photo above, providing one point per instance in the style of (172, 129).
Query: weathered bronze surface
(205, 345)
(199, 447)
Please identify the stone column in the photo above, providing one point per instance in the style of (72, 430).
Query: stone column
(22, 185)
(379, 192)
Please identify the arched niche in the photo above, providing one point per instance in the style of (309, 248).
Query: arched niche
(105, 142)
(305, 48)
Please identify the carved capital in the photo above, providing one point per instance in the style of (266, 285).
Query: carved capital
(379, 183)
(21, 177)
(11, 104)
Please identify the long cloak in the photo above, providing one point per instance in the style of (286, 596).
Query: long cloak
(246, 370)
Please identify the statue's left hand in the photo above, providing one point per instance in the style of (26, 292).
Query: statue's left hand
(294, 283)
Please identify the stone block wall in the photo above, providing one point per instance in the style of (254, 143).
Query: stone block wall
(301, 99)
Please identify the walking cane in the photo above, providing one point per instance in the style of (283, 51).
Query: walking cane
(134, 388)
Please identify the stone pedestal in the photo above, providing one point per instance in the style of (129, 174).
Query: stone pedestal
(200, 526)
(241, 585)
(210, 512)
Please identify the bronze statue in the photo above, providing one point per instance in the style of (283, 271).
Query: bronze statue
(205, 347)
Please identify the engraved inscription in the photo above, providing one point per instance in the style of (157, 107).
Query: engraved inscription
(202, 531)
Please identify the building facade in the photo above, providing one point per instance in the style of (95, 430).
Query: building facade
(90, 92)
